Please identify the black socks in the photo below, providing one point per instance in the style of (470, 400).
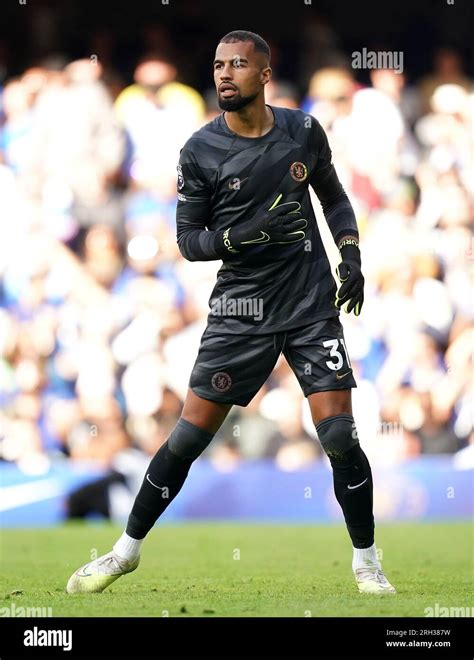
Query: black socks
(353, 487)
(166, 475)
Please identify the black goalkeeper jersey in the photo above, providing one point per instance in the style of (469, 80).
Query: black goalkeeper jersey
(225, 179)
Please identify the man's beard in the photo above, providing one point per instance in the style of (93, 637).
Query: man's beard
(236, 103)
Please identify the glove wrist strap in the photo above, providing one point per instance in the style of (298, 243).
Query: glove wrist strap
(349, 250)
(227, 242)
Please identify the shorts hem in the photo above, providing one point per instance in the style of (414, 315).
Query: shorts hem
(314, 389)
(208, 397)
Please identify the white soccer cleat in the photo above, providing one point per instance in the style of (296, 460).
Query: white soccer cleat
(371, 580)
(98, 574)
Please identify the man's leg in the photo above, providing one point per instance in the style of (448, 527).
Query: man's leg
(167, 472)
(318, 356)
(229, 369)
(163, 480)
(332, 415)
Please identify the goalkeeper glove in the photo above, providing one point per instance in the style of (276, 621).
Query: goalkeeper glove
(349, 272)
(278, 224)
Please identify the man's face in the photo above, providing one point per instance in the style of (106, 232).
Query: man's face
(239, 74)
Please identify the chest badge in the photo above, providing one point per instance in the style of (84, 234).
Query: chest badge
(298, 171)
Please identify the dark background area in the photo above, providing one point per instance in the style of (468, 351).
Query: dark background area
(188, 31)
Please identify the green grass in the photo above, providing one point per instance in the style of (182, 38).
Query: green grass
(190, 570)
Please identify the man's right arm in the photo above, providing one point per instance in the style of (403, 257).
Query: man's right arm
(195, 242)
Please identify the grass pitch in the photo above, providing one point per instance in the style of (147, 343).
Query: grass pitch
(220, 570)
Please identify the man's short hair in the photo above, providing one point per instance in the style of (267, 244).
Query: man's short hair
(259, 44)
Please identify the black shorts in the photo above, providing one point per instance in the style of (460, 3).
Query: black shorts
(233, 368)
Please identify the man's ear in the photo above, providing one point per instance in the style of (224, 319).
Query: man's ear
(265, 75)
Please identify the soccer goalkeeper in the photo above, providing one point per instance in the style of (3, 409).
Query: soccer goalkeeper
(243, 198)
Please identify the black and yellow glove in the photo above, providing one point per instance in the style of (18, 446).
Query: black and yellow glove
(278, 224)
(349, 272)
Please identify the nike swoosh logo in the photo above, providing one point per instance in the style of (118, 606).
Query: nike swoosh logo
(160, 487)
(263, 239)
(339, 376)
(13, 497)
(358, 485)
(83, 574)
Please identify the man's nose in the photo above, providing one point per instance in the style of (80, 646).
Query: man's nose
(226, 72)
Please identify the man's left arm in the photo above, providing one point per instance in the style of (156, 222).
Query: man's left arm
(341, 220)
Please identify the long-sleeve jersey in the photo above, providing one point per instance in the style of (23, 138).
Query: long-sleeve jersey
(225, 179)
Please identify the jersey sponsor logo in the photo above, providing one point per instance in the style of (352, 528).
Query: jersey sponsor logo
(180, 177)
(298, 171)
(221, 381)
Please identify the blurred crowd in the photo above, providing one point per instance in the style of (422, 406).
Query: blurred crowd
(101, 317)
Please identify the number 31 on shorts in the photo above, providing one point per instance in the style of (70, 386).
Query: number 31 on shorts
(335, 353)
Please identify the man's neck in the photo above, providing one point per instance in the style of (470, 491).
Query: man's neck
(251, 121)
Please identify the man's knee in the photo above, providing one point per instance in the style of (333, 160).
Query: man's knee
(205, 414)
(188, 441)
(337, 435)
